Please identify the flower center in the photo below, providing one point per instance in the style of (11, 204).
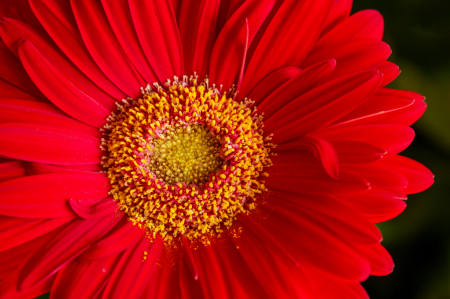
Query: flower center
(185, 160)
(185, 155)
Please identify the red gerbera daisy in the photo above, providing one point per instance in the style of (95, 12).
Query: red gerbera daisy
(198, 149)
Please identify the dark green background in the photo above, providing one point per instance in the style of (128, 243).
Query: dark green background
(418, 32)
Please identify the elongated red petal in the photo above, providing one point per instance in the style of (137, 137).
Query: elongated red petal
(277, 50)
(11, 170)
(86, 279)
(62, 92)
(214, 272)
(47, 195)
(321, 106)
(189, 257)
(10, 91)
(137, 264)
(27, 232)
(122, 236)
(230, 45)
(58, 20)
(65, 247)
(339, 12)
(159, 36)
(265, 237)
(376, 206)
(352, 57)
(305, 81)
(317, 245)
(198, 32)
(321, 149)
(94, 210)
(365, 24)
(13, 31)
(381, 262)
(390, 72)
(11, 70)
(271, 83)
(48, 144)
(418, 176)
(391, 138)
(104, 47)
(12, 110)
(119, 17)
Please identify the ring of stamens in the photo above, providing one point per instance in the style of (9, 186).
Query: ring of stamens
(184, 159)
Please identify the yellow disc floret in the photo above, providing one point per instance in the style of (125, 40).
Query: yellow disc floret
(184, 159)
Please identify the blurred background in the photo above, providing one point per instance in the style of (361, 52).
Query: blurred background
(418, 32)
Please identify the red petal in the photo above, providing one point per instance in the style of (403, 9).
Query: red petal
(374, 205)
(339, 12)
(32, 292)
(47, 195)
(48, 144)
(352, 57)
(214, 272)
(291, 173)
(137, 265)
(18, 9)
(197, 24)
(298, 85)
(378, 175)
(12, 110)
(30, 231)
(164, 283)
(11, 170)
(10, 91)
(316, 244)
(119, 17)
(63, 91)
(58, 20)
(13, 31)
(189, 257)
(159, 36)
(65, 247)
(94, 210)
(268, 240)
(301, 23)
(376, 110)
(381, 262)
(321, 149)
(86, 279)
(390, 72)
(34, 168)
(259, 271)
(365, 24)
(391, 138)
(418, 176)
(231, 43)
(346, 223)
(104, 47)
(122, 236)
(357, 152)
(334, 288)
(11, 70)
(271, 83)
(321, 106)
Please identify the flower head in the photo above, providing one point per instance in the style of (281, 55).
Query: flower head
(198, 149)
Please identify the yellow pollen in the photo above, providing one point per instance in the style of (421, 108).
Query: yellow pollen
(185, 160)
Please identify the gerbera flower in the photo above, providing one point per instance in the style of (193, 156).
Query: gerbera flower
(198, 149)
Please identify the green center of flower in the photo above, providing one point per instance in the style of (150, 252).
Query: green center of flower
(185, 155)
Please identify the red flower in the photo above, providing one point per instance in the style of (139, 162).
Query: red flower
(183, 190)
